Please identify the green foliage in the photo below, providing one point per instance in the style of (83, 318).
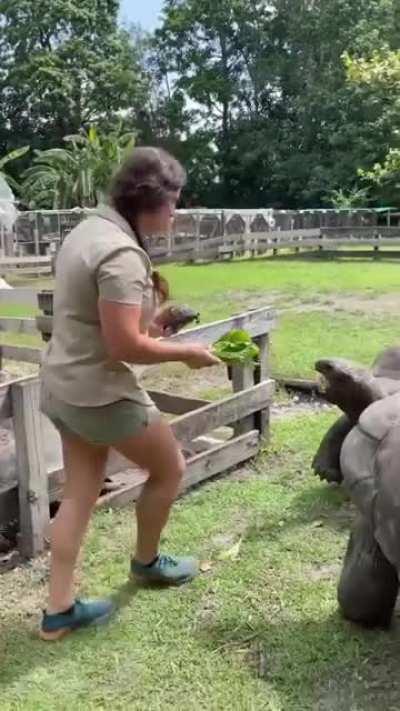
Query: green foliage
(62, 178)
(283, 104)
(356, 197)
(381, 69)
(379, 77)
(9, 158)
(63, 66)
(236, 347)
(385, 175)
(267, 98)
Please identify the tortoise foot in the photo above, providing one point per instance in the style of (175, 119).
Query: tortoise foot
(368, 585)
(326, 463)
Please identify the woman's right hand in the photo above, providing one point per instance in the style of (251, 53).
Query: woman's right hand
(199, 356)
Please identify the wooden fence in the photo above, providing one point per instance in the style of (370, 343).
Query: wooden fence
(37, 233)
(189, 248)
(215, 436)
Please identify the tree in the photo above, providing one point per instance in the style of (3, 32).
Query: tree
(78, 175)
(213, 64)
(9, 158)
(264, 86)
(379, 75)
(342, 200)
(63, 66)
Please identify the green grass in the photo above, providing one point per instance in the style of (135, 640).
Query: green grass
(302, 338)
(300, 278)
(16, 311)
(21, 339)
(218, 290)
(260, 631)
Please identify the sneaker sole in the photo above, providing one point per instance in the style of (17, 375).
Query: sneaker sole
(159, 582)
(57, 635)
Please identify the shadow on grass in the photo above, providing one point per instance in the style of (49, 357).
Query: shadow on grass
(324, 665)
(316, 507)
(19, 642)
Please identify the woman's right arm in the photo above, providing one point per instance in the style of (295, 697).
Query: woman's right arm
(120, 327)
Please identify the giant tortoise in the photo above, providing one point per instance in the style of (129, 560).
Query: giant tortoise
(362, 450)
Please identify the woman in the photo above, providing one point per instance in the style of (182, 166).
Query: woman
(105, 317)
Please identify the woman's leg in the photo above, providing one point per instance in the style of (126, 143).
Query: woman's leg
(156, 451)
(84, 466)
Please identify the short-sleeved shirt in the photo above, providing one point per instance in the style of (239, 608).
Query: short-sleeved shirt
(100, 259)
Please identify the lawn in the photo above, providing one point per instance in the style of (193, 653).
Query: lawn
(260, 628)
(345, 308)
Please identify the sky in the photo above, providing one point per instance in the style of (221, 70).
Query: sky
(144, 12)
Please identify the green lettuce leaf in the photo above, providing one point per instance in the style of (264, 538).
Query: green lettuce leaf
(236, 348)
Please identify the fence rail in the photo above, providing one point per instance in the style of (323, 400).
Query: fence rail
(215, 436)
(38, 233)
(197, 248)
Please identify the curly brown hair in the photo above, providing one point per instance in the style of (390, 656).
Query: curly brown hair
(142, 183)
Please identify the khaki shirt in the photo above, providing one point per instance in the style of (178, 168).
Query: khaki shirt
(100, 258)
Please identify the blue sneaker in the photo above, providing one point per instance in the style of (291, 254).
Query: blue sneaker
(81, 614)
(166, 570)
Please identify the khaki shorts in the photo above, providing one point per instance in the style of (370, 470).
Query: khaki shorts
(103, 425)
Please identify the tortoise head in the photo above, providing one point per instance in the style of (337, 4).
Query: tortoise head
(347, 385)
(181, 316)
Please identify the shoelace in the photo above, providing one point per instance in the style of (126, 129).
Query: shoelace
(165, 560)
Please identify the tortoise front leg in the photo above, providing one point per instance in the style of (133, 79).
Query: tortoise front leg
(326, 463)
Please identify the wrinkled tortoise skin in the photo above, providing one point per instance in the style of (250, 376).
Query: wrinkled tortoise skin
(362, 451)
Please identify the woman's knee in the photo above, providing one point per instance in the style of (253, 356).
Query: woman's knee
(156, 451)
(170, 474)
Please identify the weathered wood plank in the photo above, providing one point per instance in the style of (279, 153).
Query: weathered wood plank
(361, 231)
(31, 468)
(256, 322)
(21, 353)
(220, 459)
(202, 466)
(24, 261)
(18, 325)
(224, 412)
(297, 383)
(5, 397)
(5, 402)
(262, 373)
(242, 379)
(22, 296)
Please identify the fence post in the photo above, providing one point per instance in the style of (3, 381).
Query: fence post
(262, 372)
(31, 468)
(197, 222)
(242, 378)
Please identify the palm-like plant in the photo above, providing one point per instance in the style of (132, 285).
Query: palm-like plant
(77, 175)
(13, 155)
(342, 200)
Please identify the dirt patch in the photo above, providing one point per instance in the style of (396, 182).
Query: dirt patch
(367, 304)
(324, 572)
(374, 686)
(377, 304)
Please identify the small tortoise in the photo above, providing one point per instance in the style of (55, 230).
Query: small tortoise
(362, 449)
(176, 317)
